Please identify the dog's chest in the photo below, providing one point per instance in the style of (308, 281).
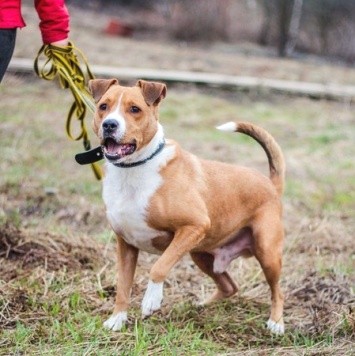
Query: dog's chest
(126, 193)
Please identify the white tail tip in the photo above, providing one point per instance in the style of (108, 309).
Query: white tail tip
(229, 126)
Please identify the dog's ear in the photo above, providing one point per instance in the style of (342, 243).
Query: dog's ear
(153, 92)
(98, 87)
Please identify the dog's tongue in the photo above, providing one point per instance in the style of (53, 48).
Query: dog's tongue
(113, 147)
(119, 150)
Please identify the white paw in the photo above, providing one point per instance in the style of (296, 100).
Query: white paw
(152, 298)
(275, 328)
(116, 322)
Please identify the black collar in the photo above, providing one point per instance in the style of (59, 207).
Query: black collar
(138, 163)
(96, 154)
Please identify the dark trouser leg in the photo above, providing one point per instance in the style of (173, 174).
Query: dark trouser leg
(7, 45)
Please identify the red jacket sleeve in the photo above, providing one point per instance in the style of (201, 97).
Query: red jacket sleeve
(54, 20)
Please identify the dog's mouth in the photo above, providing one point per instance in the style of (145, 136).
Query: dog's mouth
(114, 150)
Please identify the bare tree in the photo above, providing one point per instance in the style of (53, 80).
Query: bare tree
(267, 8)
(294, 27)
(283, 23)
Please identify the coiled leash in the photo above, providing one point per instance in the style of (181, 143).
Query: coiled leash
(64, 62)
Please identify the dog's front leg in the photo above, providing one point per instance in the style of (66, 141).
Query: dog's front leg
(127, 261)
(185, 239)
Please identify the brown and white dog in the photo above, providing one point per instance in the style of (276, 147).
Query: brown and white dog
(164, 200)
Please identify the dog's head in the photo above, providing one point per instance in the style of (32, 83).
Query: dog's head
(126, 118)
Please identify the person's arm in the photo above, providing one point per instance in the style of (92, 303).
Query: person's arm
(54, 21)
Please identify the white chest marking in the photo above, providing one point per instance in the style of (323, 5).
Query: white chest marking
(126, 193)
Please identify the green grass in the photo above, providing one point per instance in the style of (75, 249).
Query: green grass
(81, 336)
(68, 326)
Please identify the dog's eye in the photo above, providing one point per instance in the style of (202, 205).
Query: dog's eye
(103, 107)
(134, 109)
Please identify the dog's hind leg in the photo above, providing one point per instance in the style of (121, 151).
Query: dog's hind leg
(268, 251)
(225, 284)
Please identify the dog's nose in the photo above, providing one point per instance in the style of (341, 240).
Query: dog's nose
(110, 125)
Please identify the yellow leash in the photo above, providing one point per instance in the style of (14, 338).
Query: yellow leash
(64, 62)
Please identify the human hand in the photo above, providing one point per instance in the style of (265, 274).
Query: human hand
(62, 43)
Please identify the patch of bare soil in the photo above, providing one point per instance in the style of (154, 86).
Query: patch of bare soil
(28, 202)
(21, 252)
(326, 299)
(32, 261)
(322, 290)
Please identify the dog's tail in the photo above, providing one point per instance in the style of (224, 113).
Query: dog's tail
(270, 146)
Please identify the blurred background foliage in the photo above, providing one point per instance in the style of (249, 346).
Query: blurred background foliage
(322, 27)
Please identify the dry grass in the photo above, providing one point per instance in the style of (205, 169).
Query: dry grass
(45, 276)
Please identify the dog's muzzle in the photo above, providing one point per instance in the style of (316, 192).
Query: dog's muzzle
(113, 148)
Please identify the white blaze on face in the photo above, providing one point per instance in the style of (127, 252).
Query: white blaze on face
(116, 114)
